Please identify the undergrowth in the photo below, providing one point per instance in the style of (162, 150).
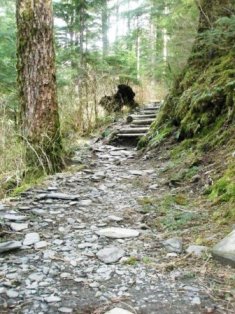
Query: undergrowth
(12, 163)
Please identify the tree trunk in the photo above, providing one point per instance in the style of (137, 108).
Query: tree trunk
(128, 17)
(37, 85)
(117, 19)
(105, 27)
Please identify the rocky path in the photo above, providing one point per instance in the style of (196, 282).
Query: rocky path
(70, 261)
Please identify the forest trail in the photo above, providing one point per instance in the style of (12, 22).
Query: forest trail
(61, 272)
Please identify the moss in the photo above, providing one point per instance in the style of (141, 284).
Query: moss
(224, 189)
(209, 97)
(204, 92)
(181, 200)
(222, 193)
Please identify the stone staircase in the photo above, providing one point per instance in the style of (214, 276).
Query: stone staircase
(139, 123)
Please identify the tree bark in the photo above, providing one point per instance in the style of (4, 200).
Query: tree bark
(37, 85)
(105, 27)
(117, 19)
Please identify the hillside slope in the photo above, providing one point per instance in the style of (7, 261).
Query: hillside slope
(199, 112)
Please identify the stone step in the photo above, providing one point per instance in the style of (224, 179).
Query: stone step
(147, 112)
(155, 108)
(143, 122)
(134, 130)
(135, 126)
(144, 115)
(131, 134)
(140, 117)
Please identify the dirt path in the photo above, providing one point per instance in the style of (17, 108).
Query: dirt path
(62, 273)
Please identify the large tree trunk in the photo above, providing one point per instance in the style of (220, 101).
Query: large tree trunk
(37, 85)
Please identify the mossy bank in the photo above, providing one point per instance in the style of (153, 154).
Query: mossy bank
(198, 115)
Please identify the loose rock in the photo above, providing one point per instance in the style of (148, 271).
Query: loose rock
(115, 218)
(118, 233)
(41, 245)
(31, 238)
(110, 255)
(52, 299)
(196, 250)
(18, 227)
(65, 310)
(9, 246)
(174, 245)
(58, 196)
(196, 301)
(224, 251)
(118, 310)
(14, 217)
(12, 294)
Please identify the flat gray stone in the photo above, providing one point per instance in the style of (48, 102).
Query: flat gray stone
(19, 226)
(41, 245)
(118, 233)
(118, 310)
(224, 251)
(58, 196)
(65, 310)
(196, 250)
(31, 238)
(12, 294)
(52, 299)
(36, 277)
(115, 218)
(136, 172)
(39, 212)
(10, 246)
(85, 202)
(14, 217)
(196, 301)
(173, 245)
(110, 255)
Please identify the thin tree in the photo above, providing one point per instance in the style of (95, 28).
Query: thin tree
(105, 42)
(37, 85)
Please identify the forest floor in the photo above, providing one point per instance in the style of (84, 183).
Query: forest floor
(58, 270)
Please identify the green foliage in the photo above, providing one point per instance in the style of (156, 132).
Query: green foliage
(7, 48)
(122, 63)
